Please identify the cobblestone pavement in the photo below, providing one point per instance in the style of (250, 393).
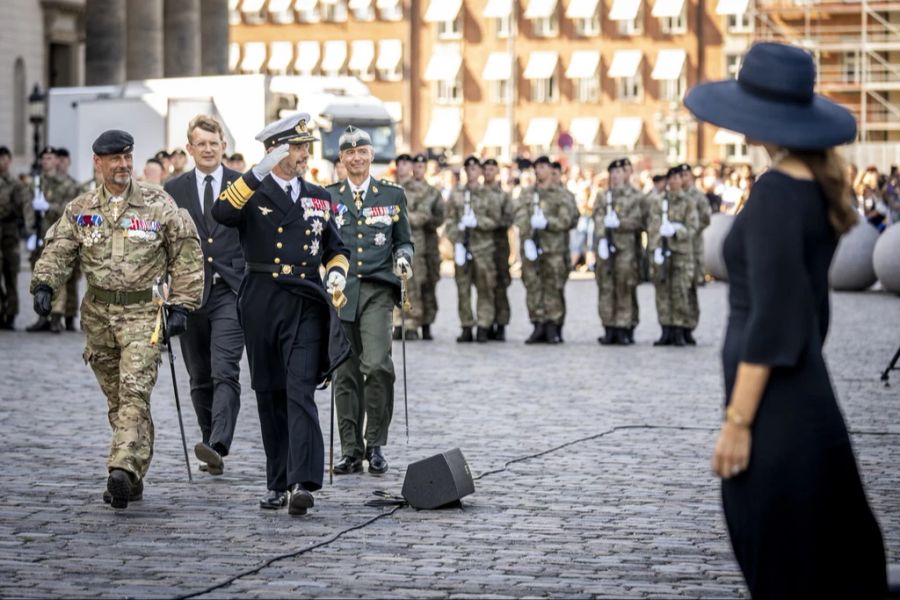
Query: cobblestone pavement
(631, 511)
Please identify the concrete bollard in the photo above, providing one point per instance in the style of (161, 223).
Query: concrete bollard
(886, 258)
(713, 240)
(851, 268)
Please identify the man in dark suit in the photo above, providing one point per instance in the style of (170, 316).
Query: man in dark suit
(213, 344)
(294, 338)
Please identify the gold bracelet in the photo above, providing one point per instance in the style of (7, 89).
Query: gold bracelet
(735, 418)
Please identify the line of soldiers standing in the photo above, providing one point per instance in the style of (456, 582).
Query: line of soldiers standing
(478, 214)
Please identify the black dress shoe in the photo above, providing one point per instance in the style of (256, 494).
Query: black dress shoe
(500, 333)
(300, 500)
(273, 500)
(119, 487)
(426, 333)
(42, 324)
(482, 335)
(348, 465)
(206, 453)
(539, 335)
(378, 465)
(137, 493)
(689, 337)
(70, 324)
(465, 336)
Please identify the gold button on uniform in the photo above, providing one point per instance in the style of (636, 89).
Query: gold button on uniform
(209, 240)
(359, 222)
(308, 232)
(359, 249)
(359, 263)
(302, 275)
(305, 247)
(275, 275)
(278, 245)
(359, 235)
(277, 261)
(303, 264)
(281, 230)
(210, 259)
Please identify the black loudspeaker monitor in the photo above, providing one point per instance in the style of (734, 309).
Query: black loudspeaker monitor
(437, 481)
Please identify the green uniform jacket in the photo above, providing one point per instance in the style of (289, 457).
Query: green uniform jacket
(681, 210)
(557, 207)
(488, 212)
(374, 236)
(425, 210)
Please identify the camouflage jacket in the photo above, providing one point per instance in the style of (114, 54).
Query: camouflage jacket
(149, 239)
(15, 201)
(701, 204)
(425, 207)
(557, 208)
(680, 210)
(487, 211)
(507, 210)
(58, 191)
(626, 202)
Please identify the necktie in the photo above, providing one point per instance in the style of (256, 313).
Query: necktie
(289, 191)
(358, 200)
(208, 202)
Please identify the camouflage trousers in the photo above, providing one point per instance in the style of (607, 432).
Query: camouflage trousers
(545, 280)
(429, 285)
(673, 293)
(65, 299)
(502, 311)
(481, 272)
(10, 265)
(699, 272)
(125, 364)
(616, 292)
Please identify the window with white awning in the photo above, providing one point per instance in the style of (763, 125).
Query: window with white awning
(496, 134)
(625, 63)
(442, 10)
(444, 64)
(334, 57)
(581, 9)
(281, 55)
(540, 9)
(390, 55)
(669, 64)
(540, 132)
(541, 64)
(362, 55)
(498, 67)
(253, 57)
(444, 128)
(625, 131)
(624, 10)
(732, 7)
(583, 64)
(497, 9)
(308, 55)
(584, 131)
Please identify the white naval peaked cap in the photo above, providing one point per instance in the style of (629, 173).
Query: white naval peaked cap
(292, 129)
(353, 137)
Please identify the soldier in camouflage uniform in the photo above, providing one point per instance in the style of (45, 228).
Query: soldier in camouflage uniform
(426, 212)
(704, 215)
(15, 214)
(558, 182)
(472, 219)
(67, 304)
(671, 226)
(617, 222)
(432, 251)
(544, 217)
(491, 187)
(52, 193)
(128, 236)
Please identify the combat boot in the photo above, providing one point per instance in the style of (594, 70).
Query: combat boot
(70, 324)
(678, 336)
(539, 335)
(482, 335)
(412, 334)
(621, 336)
(500, 333)
(465, 336)
(137, 493)
(120, 488)
(553, 333)
(42, 324)
(630, 334)
(609, 337)
(426, 333)
(398, 334)
(6, 324)
(689, 337)
(55, 324)
(559, 329)
(666, 339)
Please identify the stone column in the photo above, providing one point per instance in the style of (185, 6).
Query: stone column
(104, 52)
(182, 38)
(214, 40)
(145, 39)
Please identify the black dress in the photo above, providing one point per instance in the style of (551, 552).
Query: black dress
(798, 518)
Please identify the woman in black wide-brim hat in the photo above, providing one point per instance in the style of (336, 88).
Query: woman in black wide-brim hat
(797, 514)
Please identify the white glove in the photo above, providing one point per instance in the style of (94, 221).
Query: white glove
(336, 281)
(530, 248)
(666, 229)
(261, 169)
(40, 202)
(611, 220)
(31, 243)
(603, 249)
(402, 268)
(469, 221)
(678, 226)
(459, 254)
(658, 257)
(538, 220)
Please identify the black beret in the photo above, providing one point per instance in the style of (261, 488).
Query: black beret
(557, 166)
(684, 168)
(113, 141)
(62, 152)
(627, 162)
(672, 172)
(161, 155)
(542, 159)
(178, 151)
(471, 160)
(4, 151)
(237, 156)
(490, 161)
(658, 178)
(47, 150)
(619, 163)
(404, 156)
(419, 158)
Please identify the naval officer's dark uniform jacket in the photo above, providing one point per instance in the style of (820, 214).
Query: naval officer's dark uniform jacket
(294, 339)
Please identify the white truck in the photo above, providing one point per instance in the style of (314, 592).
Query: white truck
(156, 112)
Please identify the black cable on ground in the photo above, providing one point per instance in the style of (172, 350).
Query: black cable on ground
(388, 500)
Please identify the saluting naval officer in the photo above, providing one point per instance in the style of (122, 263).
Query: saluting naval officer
(213, 344)
(127, 235)
(373, 221)
(294, 341)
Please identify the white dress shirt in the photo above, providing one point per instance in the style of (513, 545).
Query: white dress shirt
(217, 176)
(294, 183)
(360, 188)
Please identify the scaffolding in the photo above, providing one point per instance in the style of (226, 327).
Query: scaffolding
(856, 44)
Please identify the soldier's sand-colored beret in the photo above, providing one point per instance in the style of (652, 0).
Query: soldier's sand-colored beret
(490, 162)
(471, 160)
(293, 129)
(618, 163)
(113, 141)
(354, 137)
(419, 158)
(403, 156)
(542, 159)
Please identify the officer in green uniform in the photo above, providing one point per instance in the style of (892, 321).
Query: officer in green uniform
(617, 221)
(128, 236)
(492, 188)
(425, 208)
(672, 225)
(704, 215)
(544, 217)
(374, 225)
(15, 213)
(472, 219)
